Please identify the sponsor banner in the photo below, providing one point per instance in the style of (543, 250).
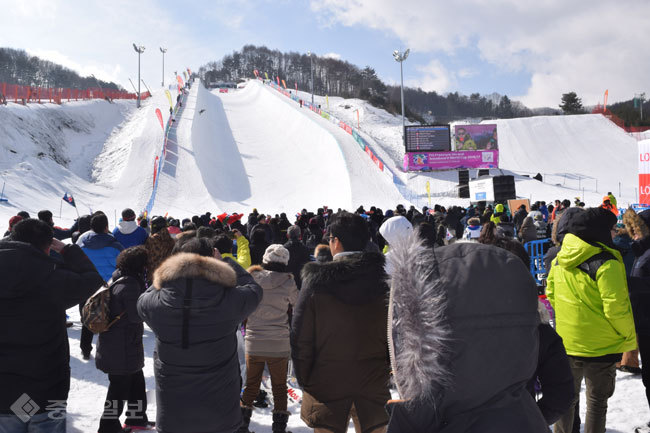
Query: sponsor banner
(451, 160)
(223, 90)
(644, 172)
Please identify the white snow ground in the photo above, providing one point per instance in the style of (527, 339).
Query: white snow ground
(257, 148)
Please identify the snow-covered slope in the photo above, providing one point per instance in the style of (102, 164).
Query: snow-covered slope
(241, 150)
(256, 148)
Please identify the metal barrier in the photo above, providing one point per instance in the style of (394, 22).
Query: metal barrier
(30, 94)
(535, 250)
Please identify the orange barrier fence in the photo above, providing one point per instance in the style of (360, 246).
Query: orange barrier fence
(26, 94)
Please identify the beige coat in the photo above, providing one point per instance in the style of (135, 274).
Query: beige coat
(267, 328)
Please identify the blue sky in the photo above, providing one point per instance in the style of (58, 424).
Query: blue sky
(532, 51)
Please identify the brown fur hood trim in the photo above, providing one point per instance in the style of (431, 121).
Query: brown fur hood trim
(189, 265)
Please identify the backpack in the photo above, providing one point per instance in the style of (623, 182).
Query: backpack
(95, 314)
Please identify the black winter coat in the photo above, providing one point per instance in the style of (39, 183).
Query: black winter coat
(298, 256)
(120, 349)
(554, 374)
(518, 218)
(639, 286)
(195, 360)
(35, 292)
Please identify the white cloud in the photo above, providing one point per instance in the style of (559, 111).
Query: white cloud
(582, 45)
(433, 77)
(97, 37)
(334, 56)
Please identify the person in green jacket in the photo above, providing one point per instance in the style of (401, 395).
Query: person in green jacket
(587, 287)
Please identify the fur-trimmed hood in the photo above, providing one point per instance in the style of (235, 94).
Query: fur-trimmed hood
(354, 279)
(189, 265)
(463, 328)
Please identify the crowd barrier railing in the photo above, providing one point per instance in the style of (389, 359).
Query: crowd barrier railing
(31, 94)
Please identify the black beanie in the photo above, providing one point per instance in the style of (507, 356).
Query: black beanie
(594, 225)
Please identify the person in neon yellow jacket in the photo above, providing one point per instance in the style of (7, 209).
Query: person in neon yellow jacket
(587, 287)
(498, 211)
(224, 245)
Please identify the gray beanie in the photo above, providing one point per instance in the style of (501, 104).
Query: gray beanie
(276, 253)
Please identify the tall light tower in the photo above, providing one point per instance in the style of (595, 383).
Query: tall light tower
(163, 51)
(641, 98)
(311, 70)
(400, 57)
(139, 50)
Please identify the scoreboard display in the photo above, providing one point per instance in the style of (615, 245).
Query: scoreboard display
(427, 138)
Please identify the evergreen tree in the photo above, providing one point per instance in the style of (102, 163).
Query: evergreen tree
(571, 104)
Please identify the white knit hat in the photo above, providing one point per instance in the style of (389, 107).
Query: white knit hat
(276, 253)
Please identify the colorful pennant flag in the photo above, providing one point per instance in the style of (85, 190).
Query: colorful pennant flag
(159, 114)
(69, 199)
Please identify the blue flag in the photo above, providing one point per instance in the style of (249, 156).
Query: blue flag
(69, 199)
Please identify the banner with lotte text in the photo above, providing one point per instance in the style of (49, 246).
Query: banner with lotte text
(644, 172)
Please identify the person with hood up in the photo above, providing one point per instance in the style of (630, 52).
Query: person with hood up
(499, 210)
(587, 288)
(473, 229)
(393, 230)
(607, 204)
(338, 338)
(194, 308)
(267, 335)
(448, 329)
(128, 232)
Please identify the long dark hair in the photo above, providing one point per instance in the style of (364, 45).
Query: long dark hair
(488, 233)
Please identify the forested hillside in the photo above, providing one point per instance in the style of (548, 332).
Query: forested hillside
(340, 78)
(18, 67)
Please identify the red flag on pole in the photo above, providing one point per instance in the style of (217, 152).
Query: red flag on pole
(278, 78)
(606, 95)
(296, 86)
(159, 114)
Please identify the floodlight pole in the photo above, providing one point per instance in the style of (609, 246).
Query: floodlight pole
(139, 50)
(163, 51)
(311, 70)
(400, 57)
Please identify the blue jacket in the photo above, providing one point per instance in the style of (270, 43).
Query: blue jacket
(102, 249)
(129, 234)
